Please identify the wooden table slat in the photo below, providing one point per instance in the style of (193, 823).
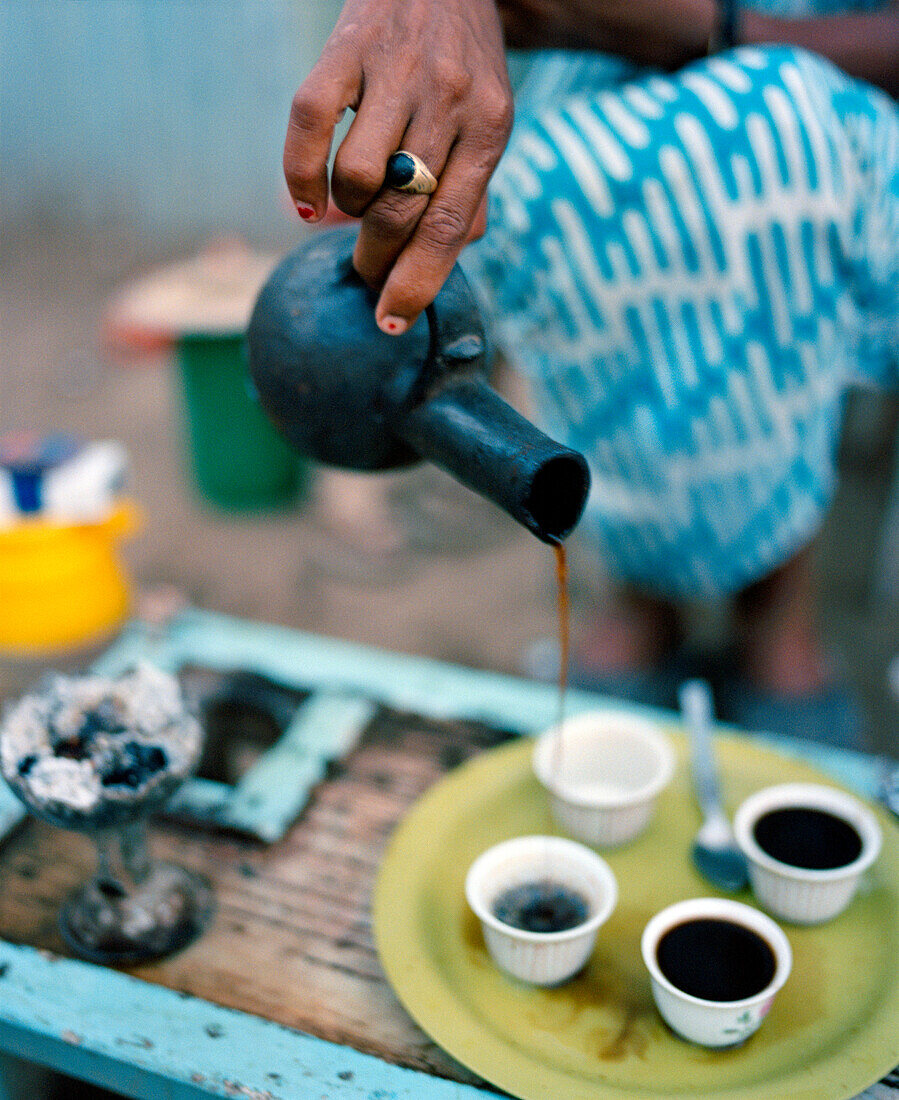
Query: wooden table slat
(292, 939)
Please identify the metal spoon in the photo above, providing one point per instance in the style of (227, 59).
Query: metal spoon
(888, 784)
(715, 850)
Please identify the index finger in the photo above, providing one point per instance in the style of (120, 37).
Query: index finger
(317, 107)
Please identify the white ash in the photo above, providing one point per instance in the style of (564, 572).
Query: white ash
(79, 743)
(73, 783)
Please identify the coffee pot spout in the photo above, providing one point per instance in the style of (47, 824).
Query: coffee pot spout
(344, 393)
(468, 430)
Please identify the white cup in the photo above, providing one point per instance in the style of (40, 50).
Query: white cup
(603, 771)
(541, 958)
(799, 894)
(714, 1023)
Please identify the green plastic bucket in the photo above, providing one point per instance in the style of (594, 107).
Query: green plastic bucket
(239, 462)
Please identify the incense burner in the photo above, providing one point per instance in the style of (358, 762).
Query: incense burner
(98, 756)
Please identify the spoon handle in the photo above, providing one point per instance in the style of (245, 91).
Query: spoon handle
(696, 708)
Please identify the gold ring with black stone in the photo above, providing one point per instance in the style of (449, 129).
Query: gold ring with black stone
(409, 173)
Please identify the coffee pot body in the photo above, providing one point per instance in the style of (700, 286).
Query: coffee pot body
(346, 394)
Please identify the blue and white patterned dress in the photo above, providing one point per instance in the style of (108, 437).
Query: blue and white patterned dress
(692, 269)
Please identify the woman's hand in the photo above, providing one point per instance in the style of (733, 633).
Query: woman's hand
(428, 76)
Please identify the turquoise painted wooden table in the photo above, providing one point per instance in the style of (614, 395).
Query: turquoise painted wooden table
(283, 998)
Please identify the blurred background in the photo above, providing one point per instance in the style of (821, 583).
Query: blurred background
(142, 199)
(142, 194)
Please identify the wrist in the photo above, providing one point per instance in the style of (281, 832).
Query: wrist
(757, 28)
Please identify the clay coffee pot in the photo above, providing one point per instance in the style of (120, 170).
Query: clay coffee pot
(344, 393)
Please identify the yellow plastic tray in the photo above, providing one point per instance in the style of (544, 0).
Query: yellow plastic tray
(833, 1030)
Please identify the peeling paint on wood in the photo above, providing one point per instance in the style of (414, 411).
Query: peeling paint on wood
(11, 810)
(183, 1061)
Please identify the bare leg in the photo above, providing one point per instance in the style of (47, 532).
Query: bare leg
(780, 645)
(636, 631)
(788, 685)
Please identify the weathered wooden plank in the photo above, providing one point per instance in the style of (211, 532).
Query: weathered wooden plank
(274, 791)
(292, 939)
(152, 1043)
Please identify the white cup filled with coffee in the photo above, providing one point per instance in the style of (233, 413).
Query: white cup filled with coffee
(716, 966)
(807, 846)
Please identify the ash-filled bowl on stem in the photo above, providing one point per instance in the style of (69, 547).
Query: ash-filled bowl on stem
(541, 901)
(90, 752)
(603, 771)
(99, 755)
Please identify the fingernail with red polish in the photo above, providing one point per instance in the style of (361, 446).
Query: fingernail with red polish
(305, 210)
(394, 326)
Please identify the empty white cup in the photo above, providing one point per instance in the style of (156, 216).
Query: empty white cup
(603, 771)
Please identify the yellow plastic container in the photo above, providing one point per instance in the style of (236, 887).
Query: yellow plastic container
(62, 586)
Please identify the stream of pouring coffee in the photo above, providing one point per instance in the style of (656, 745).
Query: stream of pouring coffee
(563, 609)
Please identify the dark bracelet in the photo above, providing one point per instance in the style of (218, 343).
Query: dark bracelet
(730, 10)
(726, 34)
